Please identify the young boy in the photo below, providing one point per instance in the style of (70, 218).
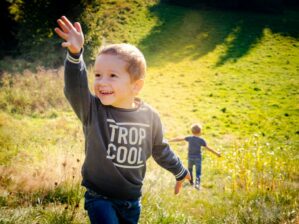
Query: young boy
(121, 132)
(194, 152)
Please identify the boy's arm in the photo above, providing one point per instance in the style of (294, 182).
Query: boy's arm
(178, 139)
(213, 151)
(166, 158)
(76, 84)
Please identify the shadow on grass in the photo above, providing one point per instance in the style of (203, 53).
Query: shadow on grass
(183, 32)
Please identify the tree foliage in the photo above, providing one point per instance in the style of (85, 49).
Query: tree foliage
(255, 5)
(27, 25)
(34, 22)
(8, 26)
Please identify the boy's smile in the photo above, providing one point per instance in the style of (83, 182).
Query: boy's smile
(113, 84)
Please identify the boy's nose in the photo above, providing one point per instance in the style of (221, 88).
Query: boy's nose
(101, 81)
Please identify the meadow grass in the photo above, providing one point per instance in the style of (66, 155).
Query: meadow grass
(236, 73)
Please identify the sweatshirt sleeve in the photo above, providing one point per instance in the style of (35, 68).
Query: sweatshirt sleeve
(76, 86)
(163, 154)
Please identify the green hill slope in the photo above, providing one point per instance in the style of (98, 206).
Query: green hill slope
(234, 72)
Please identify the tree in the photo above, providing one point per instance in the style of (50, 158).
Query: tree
(29, 23)
(9, 28)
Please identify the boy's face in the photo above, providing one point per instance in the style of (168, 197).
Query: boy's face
(113, 85)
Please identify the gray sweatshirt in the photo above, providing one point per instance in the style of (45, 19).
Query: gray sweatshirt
(117, 141)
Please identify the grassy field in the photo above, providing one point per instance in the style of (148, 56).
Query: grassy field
(236, 73)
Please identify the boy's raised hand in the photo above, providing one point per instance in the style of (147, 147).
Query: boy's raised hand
(72, 34)
(179, 184)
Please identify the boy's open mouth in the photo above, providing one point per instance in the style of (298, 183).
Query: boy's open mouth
(106, 92)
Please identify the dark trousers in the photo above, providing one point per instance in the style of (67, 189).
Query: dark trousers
(197, 163)
(103, 210)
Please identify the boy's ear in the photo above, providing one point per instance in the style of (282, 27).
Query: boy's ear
(138, 84)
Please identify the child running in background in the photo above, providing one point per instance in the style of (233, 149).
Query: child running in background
(194, 151)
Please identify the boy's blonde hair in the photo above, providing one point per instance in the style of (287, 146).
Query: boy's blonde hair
(196, 128)
(130, 54)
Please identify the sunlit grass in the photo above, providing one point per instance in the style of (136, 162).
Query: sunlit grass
(248, 106)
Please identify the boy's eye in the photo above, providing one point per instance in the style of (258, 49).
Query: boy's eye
(113, 75)
(97, 75)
